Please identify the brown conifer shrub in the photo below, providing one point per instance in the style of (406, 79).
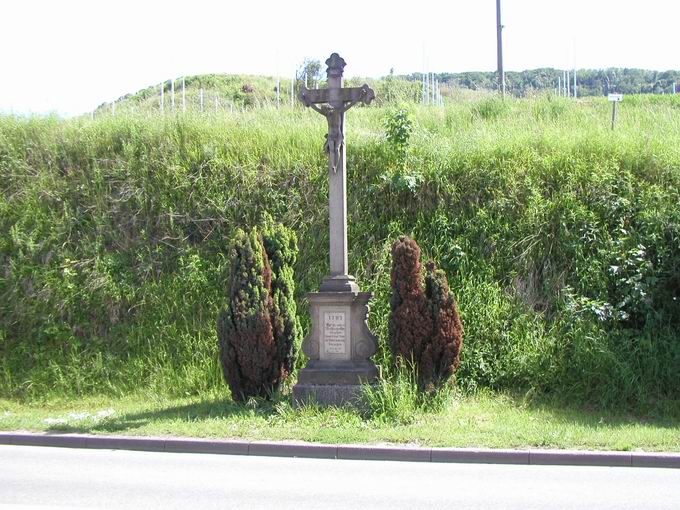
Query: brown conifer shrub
(410, 322)
(258, 329)
(425, 329)
(441, 356)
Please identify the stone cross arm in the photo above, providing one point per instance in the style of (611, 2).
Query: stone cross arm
(342, 98)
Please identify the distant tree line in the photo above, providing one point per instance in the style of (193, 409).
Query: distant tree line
(590, 82)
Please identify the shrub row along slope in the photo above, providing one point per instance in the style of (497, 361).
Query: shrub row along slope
(561, 240)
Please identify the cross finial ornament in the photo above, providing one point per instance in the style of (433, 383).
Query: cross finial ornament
(336, 65)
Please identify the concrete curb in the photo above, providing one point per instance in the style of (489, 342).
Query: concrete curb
(356, 452)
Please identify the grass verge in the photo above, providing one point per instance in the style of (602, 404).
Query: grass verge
(481, 420)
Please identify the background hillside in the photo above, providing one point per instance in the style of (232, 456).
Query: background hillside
(561, 238)
(590, 82)
(225, 92)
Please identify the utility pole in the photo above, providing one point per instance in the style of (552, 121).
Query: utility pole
(499, 28)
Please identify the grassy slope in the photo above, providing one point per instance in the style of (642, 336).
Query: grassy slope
(114, 264)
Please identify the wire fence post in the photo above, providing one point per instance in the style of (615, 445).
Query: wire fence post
(575, 95)
(278, 91)
(434, 92)
(172, 94)
(184, 97)
(568, 84)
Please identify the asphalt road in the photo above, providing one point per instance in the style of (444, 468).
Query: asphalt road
(40, 478)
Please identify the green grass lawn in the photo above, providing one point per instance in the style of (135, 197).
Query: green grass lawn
(483, 420)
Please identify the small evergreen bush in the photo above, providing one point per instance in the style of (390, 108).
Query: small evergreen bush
(424, 327)
(259, 328)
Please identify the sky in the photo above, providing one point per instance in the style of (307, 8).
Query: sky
(69, 56)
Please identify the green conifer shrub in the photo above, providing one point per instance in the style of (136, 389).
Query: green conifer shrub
(281, 247)
(424, 326)
(259, 328)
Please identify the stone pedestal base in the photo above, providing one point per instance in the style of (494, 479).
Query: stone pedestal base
(338, 395)
(339, 346)
(334, 384)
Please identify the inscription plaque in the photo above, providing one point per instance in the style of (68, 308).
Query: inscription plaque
(335, 332)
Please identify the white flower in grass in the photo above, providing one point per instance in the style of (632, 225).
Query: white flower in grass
(78, 416)
(55, 421)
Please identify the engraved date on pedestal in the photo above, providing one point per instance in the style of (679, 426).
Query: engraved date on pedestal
(335, 332)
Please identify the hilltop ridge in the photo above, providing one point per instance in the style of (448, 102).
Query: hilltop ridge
(229, 91)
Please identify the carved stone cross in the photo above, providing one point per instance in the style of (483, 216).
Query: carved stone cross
(332, 103)
(339, 344)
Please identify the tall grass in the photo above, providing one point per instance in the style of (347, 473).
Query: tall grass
(561, 239)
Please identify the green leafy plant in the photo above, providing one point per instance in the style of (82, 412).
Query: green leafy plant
(399, 126)
(398, 130)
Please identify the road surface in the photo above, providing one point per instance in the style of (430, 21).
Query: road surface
(48, 478)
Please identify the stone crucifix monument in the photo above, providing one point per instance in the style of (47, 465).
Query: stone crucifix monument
(339, 343)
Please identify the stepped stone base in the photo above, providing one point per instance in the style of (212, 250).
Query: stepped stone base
(335, 384)
(339, 395)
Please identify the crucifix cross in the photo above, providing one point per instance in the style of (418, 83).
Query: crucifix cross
(332, 103)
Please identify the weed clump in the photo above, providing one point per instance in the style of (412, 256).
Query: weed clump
(424, 327)
(259, 328)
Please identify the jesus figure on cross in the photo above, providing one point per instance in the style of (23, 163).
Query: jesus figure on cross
(335, 138)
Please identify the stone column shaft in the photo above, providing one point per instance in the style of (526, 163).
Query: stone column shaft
(337, 192)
